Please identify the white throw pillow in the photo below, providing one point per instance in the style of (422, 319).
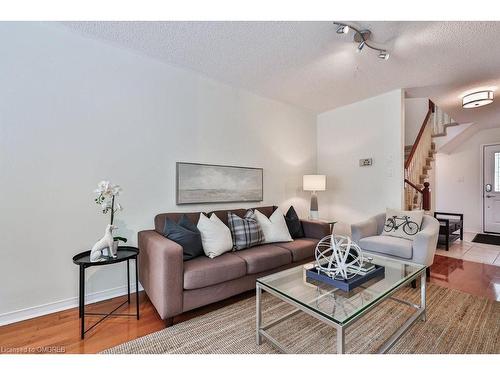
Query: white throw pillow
(274, 227)
(403, 224)
(215, 236)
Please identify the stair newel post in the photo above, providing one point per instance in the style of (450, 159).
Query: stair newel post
(426, 197)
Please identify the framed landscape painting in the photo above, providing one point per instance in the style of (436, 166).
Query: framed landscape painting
(207, 183)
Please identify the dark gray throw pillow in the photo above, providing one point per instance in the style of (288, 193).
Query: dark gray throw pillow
(293, 223)
(185, 234)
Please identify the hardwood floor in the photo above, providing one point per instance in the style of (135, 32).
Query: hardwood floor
(59, 332)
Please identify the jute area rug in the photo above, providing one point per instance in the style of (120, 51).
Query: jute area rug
(456, 323)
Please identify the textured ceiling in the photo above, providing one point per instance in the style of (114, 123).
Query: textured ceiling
(307, 64)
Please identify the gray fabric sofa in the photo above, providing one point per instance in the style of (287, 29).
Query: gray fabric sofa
(367, 235)
(175, 286)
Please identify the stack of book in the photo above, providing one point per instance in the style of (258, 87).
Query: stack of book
(364, 269)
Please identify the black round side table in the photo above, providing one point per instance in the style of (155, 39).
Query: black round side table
(124, 253)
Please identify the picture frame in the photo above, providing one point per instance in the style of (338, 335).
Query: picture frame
(198, 183)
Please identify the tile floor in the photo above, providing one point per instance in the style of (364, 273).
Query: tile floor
(472, 251)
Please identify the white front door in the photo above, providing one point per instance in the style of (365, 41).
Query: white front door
(491, 188)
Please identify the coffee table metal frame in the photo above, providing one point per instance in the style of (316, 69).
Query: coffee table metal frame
(420, 313)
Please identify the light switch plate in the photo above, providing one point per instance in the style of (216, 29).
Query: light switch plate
(365, 162)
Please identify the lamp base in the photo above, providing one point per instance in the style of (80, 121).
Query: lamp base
(313, 215)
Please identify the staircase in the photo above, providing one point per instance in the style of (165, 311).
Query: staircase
(420, 156)
(418, 175)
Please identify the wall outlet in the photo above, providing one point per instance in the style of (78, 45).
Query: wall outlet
(365, 162)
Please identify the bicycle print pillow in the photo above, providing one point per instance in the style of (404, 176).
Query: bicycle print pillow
(403, 224)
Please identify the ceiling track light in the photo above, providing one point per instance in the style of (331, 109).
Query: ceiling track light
(361, 37)
(383, 55)
(342, 29)
(360, 46)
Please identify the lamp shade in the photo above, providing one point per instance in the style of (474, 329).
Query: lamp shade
(314, 182)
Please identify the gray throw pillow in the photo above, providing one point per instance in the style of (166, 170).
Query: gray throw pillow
(246, 231)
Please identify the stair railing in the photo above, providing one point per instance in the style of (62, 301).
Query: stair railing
(414, 166)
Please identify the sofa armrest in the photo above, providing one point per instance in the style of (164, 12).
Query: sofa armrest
(425, 241)
(161, 272)
(315, 229)
(364, 229)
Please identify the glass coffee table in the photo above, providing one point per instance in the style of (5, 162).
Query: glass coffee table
(335, 307)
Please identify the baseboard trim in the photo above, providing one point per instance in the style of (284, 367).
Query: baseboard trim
(52, 307)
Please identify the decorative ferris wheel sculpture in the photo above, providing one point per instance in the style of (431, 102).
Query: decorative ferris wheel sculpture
(338, 257)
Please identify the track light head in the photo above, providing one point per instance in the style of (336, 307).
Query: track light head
(342, 29)
(384, 55)
(360, 46)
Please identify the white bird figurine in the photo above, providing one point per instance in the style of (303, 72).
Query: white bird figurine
(97, 252)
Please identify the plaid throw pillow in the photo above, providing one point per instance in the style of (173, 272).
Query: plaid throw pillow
(246, 231)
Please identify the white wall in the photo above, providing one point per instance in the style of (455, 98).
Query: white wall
(458, 179)
(415, 111)
(372, 128)
(74, 111)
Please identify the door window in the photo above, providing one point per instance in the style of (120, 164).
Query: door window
(497, 172)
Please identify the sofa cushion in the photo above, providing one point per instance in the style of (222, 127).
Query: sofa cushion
(175, 216)
(185, 234)
(246, 230)
(274, 227)
(222, 214)
(388, 245)
(293, 223)
(203, 271)
(215, 236)
(301, 248)
(264, 257)
(402, 224)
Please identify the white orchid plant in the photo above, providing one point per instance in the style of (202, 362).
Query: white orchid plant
(106, 194)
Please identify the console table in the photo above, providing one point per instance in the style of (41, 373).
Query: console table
(449, 225)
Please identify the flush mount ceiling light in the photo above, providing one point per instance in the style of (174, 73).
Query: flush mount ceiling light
(361, 37)
(477, 99)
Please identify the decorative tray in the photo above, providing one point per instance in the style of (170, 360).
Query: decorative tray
(345, 285)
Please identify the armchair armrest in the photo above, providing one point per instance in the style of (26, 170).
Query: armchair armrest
(364, 229)
(425, 241)
(161, 272)
(315, 229)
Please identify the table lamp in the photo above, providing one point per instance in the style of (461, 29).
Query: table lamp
(314, 183)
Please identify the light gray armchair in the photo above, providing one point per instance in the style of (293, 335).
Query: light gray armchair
(367, 235)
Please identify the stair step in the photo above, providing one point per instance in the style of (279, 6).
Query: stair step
(426, 167)
(443, 134)
(429, 159)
